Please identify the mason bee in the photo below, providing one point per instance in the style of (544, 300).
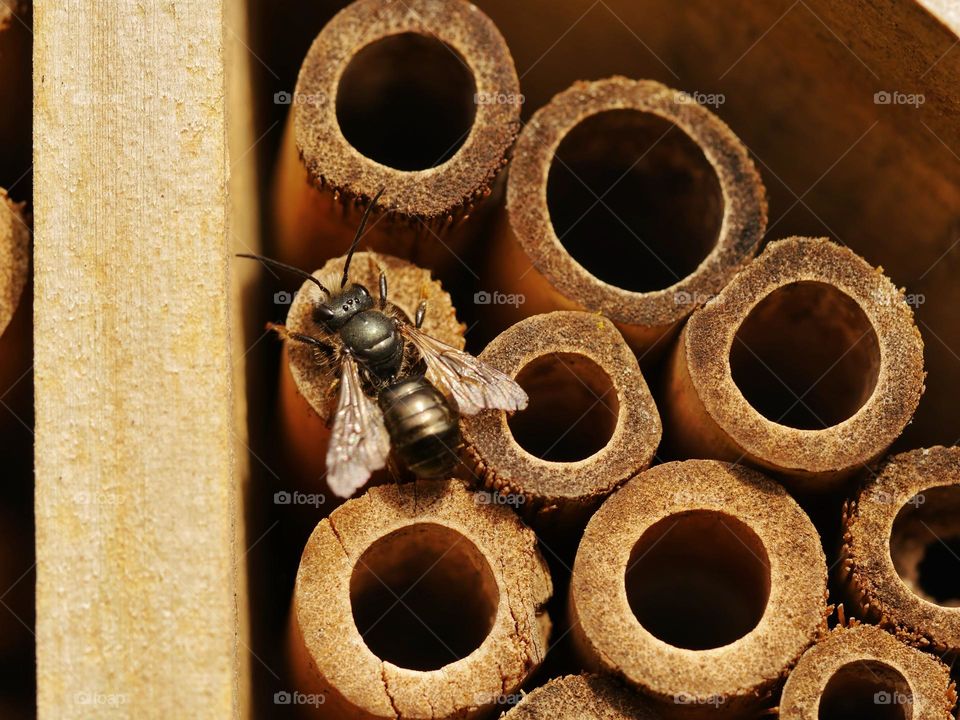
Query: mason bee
(398, 386)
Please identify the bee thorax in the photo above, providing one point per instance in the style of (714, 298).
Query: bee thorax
(373, 339)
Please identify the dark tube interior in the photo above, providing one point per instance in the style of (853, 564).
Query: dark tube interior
(866, 690)
(634, 200)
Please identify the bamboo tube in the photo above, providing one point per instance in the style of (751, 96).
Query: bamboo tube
(900, 548)
(307, 388)
(591, 697)
(686, 208)
(418, 97)
(591, 423)
(808, 365)
(700, 583)
(14, 257)
(863, 672)
(469, 624)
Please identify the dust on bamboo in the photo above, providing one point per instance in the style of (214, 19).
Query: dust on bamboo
(616, 132)
(808, 364)
(482, 588)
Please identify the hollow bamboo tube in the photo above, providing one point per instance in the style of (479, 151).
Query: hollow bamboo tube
(627, 198)
(418, 97)
(591, 697)
(865, 672)
(591, 423)
(468, 628)
(699, 583)
(808, 364)
(899, 552)
(307, 388)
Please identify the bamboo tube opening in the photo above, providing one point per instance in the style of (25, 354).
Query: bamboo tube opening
(591, 423)
(698, 580)
(626, 198)
(573, 408)
(863, 673)
(14, 257)
(925, 545)
(406, 101)
(858, 691)
(466, 570)
(808, 364)
(450, 597)
(662, 204)
(811, 341)
(901, 534)
(700, 584)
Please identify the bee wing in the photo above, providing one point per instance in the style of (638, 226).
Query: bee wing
(359, 443)
(471, 382)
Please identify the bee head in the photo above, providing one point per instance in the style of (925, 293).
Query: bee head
(337, 309)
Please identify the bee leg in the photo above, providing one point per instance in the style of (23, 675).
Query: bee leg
(421, 314)
(383, 289)
(286, 334)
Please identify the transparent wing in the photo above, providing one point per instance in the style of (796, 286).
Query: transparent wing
(359, 443)
(471, 382)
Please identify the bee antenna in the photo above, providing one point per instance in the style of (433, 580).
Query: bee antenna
(289, 268)
(356, 238)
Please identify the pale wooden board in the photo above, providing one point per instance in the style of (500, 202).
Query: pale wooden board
(136, 500)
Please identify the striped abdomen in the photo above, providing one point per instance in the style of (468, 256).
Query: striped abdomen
(423, 426)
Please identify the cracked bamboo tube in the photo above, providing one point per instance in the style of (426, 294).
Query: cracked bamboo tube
(864, 672)
(590, 426)
(586, 697)
(700, 584)
(468, 628)
(307, 388)
(626, 198)
(808, 365)
(900, 563)
(418, 97)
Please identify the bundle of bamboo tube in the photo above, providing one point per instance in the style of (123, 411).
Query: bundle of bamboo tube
(775, 375)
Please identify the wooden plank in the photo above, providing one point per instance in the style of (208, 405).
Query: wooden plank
(136, 502)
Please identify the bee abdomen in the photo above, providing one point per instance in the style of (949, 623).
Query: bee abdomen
(423, 426)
